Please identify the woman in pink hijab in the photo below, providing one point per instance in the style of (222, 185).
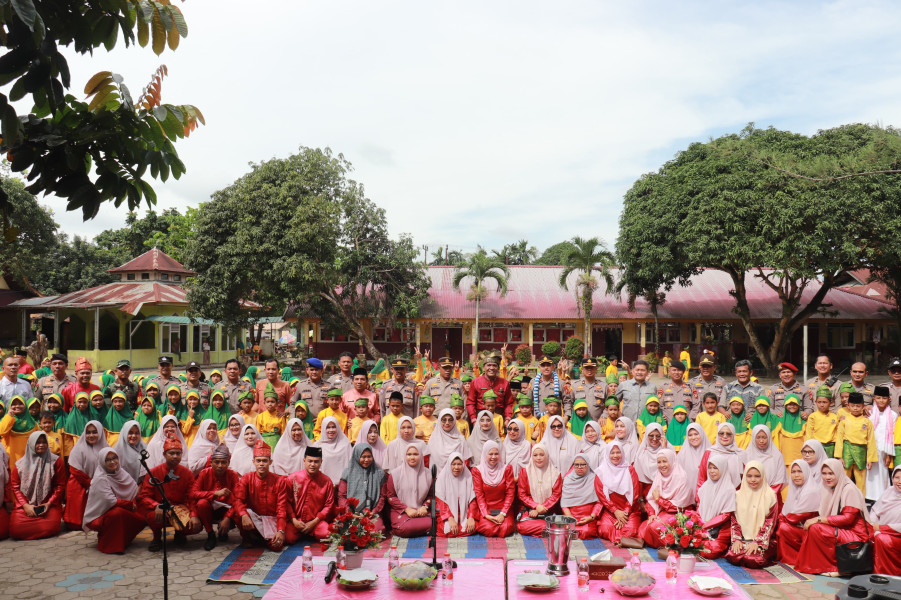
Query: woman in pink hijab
(886, 515)
(455, 498)
(716, 503)
(620, 493)
(802, 504)
(495, 490)
(669, 493)
(540, 486)
(407, 492)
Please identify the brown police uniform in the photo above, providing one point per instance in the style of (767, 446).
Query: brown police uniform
(594, 393)
(441, 389)
(700, 387)
(778, 391)
(311, 393)
(233, 391)
(407, 390)
(672, 395)
(51, 385)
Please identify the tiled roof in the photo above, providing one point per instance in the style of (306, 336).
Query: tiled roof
(153, 260)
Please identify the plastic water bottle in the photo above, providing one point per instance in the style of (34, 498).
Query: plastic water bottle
(307, 562)
(341, 558)
(447, 569)
(672, 567)
(635, 562)
(393, 558)
(583, 575)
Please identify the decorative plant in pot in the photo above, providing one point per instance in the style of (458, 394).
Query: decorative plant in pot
(355, 531)
(684, 532)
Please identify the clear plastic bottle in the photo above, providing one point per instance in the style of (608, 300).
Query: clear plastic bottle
(447, 569)
(341, 558)
(635, 562)
(307, 562)
(583, 574)
(393, 558)
(672, 567)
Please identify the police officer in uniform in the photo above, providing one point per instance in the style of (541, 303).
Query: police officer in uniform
(194, 383)
(57, 380)
(824, 376)
(675, 391)
(859, 374)
(165, 378)
(442, 386)
(406, 387)
(894, 384)
(706, 382)
(123, 384)
(313, 389)
(590, 389)
(232, 385)
(550, 384)
(788, 385)
(345, 378)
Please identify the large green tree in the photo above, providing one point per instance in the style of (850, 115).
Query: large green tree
(587, 257)
(553, 255)
(718, 206)
(479, 267)
(169, 231)
(299, 230)
(517, 253)
(30, 240)
(98, 149)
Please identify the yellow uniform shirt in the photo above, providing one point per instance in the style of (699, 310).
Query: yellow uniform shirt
(249, 418)
(424, 427)
(857, 430)
(388, 426)
(353, 428)
(821, 427)
(499, 425)
(328, 412)
(531, 423)
(272, 424)
(607, 430)
(463, 427)
(711, 423)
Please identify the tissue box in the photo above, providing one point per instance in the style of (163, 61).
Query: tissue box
(601, 569)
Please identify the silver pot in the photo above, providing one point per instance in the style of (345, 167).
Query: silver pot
(559, 532)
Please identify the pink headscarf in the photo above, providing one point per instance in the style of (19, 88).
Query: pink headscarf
(229, 439)
(379, 448)
(396, 450)
(820, 452)
(155, 445)
(560, 450)
(201, 448)
(242, 456)
(617, 479)
(718, 497)
(444, 443)
(675, 487)
(541, 481)
(288, 455)
(690, 456)
(412, 484)
(456, 492)
(646, 457)
(336, 453)
(491, 475)
(106, 489)
(770, 457)
(517, 454)
(806, 497)
(887, 510)
(629, 444)
(84, 455)
(843, 495)
(593, 452)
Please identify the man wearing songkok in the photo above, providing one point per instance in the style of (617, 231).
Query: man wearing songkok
(360, 390)
(312, 495)
(213, 496)
(182, 517)
(82, 383)
(261, 502)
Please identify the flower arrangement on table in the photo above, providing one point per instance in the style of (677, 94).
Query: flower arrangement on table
(684, 531)
(355, 531)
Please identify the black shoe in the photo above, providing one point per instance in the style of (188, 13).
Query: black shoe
(223, 535)
(210, 541)
(181, 539)
(155, 546)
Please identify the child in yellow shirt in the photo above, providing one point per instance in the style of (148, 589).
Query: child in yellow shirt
(525, 407)
(270, 424)
(822, 424)
(855, 443)
(425, 422)
(844, 392)
(458, 406)
(789, 433)
(490, 400)
(388, 426)
(710, 418)
(607, 429)
(361, 415)
(245, 403)
(54, 438)
(334, 400)
(190, 421)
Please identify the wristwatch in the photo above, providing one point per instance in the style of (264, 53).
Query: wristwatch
(281, 531)
(502, 514)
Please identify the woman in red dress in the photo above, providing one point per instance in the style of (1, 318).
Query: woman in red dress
(619, 491)
(4, 481)
(716, 504)
(754, 520)
(365, 481)
(725, 445)
(37, 483)
(670, 492)
(495, 490)
(763, 450)
(407, 493)
(540, 487)
(82, 464)
(802, 504)
(110, 508)
(886, 514)
(842, 519)
(580, 498)
(456, 499)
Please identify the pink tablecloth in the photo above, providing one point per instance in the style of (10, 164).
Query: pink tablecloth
(569, 585)
(475, 578)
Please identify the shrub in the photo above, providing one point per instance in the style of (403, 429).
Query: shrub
(523, 354)
(552, 350)
(574, 349)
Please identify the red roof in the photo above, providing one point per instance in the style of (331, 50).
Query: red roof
(875, 290)
(534, 293)
(128, 296)
(153, 260)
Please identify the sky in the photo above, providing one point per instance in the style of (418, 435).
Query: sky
(482, 123)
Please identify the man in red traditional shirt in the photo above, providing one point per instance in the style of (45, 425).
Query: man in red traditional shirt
(491, 380)
(312, 499)
(282, 388)
(178, 491)
(261, 501)
(82, 383)
(25, 368)
(213, 496)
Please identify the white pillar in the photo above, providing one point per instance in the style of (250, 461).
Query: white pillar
(56, 340)
(97, 328)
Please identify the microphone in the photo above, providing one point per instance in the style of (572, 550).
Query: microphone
(330, 571)
(144, 454)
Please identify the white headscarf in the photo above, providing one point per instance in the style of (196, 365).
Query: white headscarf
(517, 454)
(718, 497)
(616, 479)
(629, 444)
(561, 451)
(130, 456)
(844, 494)
(675, 487)
(201, 448)
(396, 451)
(412, 484)
(806, 497)
(84, 455)
(478, 437)
(579, 490)
(379, 448)
(336, 453)
(288, 455)
(155, 445)
(593, 452)
(820, 453)
(491, 476)
(887, 510)
(444, 443)
(456, 492)
(770, 457)
(230, 440)
(690, 456)
(646, 457)
(242, 456)
(36, 471)
(541, 481)
(106, 489)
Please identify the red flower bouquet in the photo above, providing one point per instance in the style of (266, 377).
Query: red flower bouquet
(683, 531)
(355, 531)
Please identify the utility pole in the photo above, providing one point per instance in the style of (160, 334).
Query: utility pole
(425, 255)
(445, 255)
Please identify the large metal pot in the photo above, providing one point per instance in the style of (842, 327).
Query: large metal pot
(559, 532)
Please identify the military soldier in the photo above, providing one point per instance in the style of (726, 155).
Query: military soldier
(788, 385)
(590, 389)
(894, 384)
(233, 386)
(400, 383)
(57, 380)
(706, 382)
(165, 378)
(344, 379)
(313, 389)
(123, 384)
(194, 383)
(675, 391)
(444, 385)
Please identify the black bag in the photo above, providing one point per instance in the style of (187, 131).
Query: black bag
(854, 557)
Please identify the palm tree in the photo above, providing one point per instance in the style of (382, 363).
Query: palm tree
(481, 267)
(586, 257)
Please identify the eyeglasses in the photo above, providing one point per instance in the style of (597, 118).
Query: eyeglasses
(512, 429)
(653, 436)
(807, 452)
(557, 426)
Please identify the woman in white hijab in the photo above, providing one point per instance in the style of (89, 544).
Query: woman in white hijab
(515, 448)
(233, 433)
(38, 478)
(446, 439)
(802, 504)
(562, 446)
(843, 519)
(725, 445)
(540, 486)
(620, 493)
(396, 450)
(763, 450)
(288, 455)
(242, 458)
(206, 440)
(111, 509)
(692, 451)
(592, 444)
(646, 458)
(369, 434)
(483, 431)
(407, 492)
(168, 428)
(886, 515)
(670, 492)
(495, 490)
(82, 464)
(456, 500)
(580, 498)
(716, 503)
(624, 430)
(814, 454)
(754, 522)
(128, 448)
(336, 449)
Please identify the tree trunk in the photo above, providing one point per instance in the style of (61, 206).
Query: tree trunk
(366, 341)
(475, 343)
(586, 308)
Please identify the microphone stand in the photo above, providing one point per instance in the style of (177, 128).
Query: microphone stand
(167, 508)
(433, 532)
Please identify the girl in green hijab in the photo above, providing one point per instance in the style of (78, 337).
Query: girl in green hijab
(98, 405)
(117, 416)
(762, 414)
(54, 405)
(650, 414)
(80, 415)
(219, 410)
(678, 427)
(174, 405)
(251, 374)
(148, 417)
(579, 418)
(302, 412)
